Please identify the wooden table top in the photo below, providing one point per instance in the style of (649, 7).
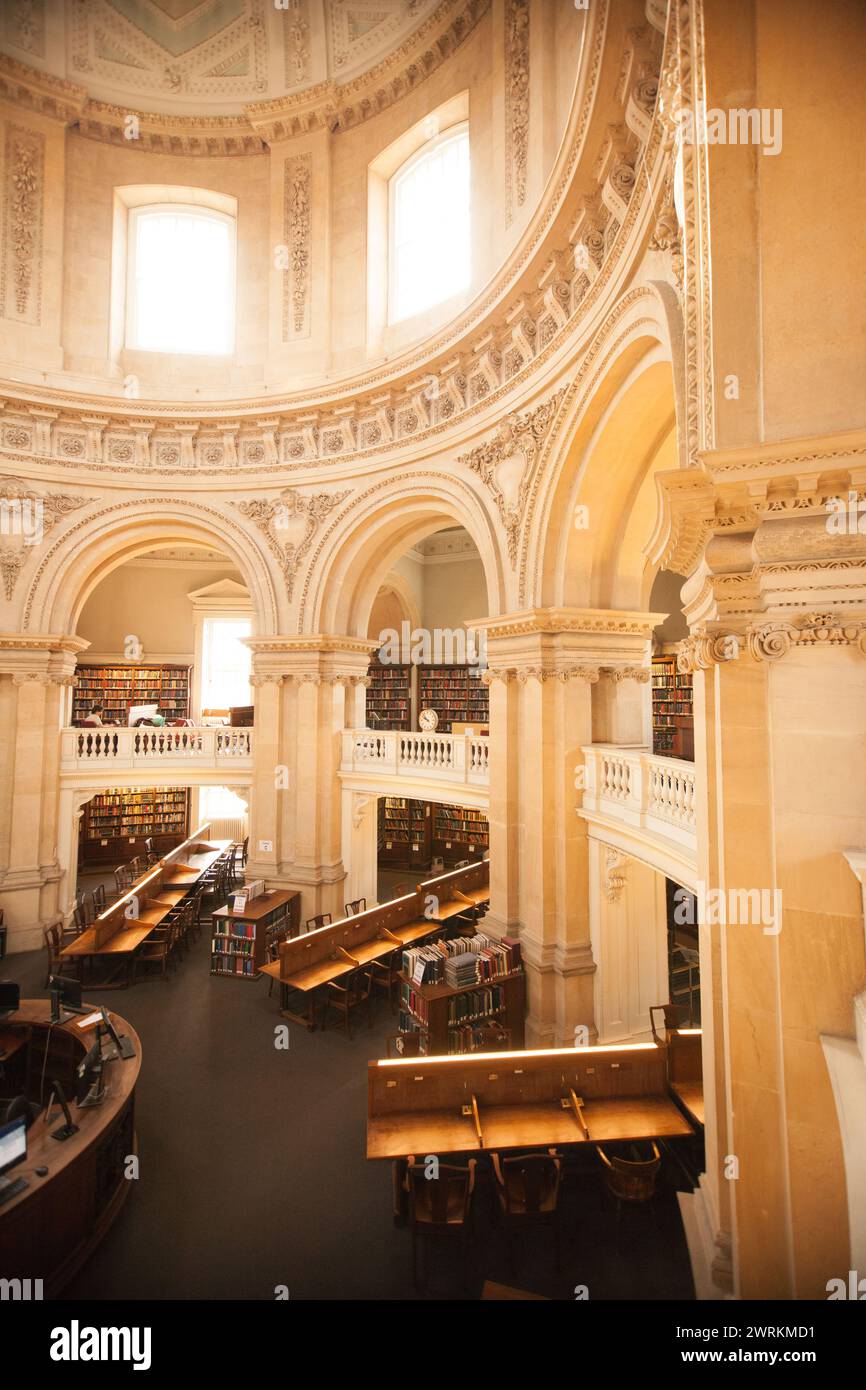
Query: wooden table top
(531, 1125)
(691, 1093)
(124, 940)
(258, 907)
(120, 1078)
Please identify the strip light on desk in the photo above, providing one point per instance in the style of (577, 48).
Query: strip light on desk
(519, 1056)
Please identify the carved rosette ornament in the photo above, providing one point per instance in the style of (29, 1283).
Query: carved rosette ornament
(520, 437)
(641, 674)
(279, 517)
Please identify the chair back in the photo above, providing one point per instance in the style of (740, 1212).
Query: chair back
(321, 919)
(412, 1044)
(99, 899)
(531, 1184)
(441, 1202)
(52, 937)
(489, 1037)
(631, 1180)
(79, 917)
(352, 909)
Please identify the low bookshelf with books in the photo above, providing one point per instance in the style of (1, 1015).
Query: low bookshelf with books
(404, 836)
(457, 694)
(672, 709)
(117, 688)
(389, 696)
(248, 928)
(116, 823)
(450, 988)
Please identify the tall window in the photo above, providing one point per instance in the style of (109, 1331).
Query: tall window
(181, 280)
(430, 240)
(225, 677)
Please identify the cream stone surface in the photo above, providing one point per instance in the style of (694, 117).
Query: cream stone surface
(657, 370)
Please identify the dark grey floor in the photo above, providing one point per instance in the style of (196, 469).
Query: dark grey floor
(253, 1171)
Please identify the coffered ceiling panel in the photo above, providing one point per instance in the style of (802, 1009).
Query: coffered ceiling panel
(205, 57)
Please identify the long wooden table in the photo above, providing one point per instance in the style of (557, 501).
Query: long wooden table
(517, 1100)
(50, 1228)
(309, 963)
(122, 928)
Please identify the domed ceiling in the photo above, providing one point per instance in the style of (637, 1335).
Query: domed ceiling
(206, 57)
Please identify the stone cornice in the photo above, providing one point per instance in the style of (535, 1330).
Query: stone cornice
(41, 92)
(553, 621)
(771, 640)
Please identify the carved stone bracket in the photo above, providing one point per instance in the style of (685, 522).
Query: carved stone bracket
(771, 640)
(282, 514)
(613, 880)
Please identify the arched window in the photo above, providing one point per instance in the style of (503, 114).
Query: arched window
(430, 232)
(180, 280)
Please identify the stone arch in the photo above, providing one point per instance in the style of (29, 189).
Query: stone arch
(372, 531)
(618, 432)
(84, 553)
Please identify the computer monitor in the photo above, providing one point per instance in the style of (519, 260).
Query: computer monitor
(121, 1042)
(13, 1144)
(10, 997)
(65, 994)
(137, 712)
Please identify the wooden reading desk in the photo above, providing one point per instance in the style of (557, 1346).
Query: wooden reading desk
(460, 890)
(518, 1100)
(51, 1227)
(685, 1070)
(307, 963)
(120, 930)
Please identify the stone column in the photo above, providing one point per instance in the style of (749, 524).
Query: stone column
(543, 674)
(307, 695)
(35, 673)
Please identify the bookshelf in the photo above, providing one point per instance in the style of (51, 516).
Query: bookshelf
(119, 687)
(404, 833)
(446, 994)
(456, 693)
(672, 708)
(459, 833)
(117, 822)
(389, 696)
(240, 940)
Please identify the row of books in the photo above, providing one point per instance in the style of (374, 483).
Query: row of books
(462, 960)
(477, 1004)
(239, 965)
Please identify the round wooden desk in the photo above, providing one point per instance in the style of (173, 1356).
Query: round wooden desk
(49, 1230)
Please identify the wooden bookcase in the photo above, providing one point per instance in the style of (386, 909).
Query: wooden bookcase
(240, 940)
(116, 823)
(389, 696)
(444, 1011)
(456, 693)
(459, 833)
(119, 687)
(672, 707)
(404, 833)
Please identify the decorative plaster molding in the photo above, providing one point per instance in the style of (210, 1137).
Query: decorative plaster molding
(23, 192)
(52, 505)
(613, 881)
(519, 434)
(272, 516)
(297, 229)
(516, 104)
(583, 620)
(771, 640)
(641, 674)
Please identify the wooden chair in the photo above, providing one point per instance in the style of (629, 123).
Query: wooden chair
(150, 853)
(348, 995)
(440, 1206)
(53, 940)
(79, 918)
(321, 919)
(352, 909)
(195, 902)
(156, 948)
(490, 1037)
(99, 899)
(180, 922)
(385, 977)
(631, 1180)
(414, 1044)
(527, 1189)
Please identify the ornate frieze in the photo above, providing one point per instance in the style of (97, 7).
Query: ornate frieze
(297, 229)
(516, 104)
(641, 674)
(289, 524)
(771, 640)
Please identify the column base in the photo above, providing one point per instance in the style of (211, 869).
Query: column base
(709, 1250)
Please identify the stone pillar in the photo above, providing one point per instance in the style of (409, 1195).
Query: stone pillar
(543, 674)
(35, 673)
(307, 695)
(360, 846)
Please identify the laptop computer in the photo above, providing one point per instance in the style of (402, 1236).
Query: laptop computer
(10, 998)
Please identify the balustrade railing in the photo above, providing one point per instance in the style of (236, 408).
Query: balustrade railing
(147, 747)
(641, 789)
(446, 757)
